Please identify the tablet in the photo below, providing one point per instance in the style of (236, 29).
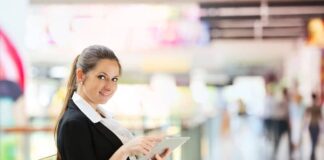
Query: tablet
(168, 142)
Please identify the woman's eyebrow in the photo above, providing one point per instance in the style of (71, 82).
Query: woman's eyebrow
(108, 74)
(103, 73)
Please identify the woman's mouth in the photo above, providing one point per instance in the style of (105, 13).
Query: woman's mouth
(104, 93)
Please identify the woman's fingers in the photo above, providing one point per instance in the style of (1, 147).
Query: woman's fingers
(146, 147)
(143, 145)
(139, 150)
(147, 144)
(165, 153)
(155, 139)
(157, 157)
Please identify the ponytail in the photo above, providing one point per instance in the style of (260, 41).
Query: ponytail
(71, 87)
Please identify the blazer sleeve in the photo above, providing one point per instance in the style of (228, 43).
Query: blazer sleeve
(77, 141)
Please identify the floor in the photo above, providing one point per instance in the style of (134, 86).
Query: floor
(243, 139)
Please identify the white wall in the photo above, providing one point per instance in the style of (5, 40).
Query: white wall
(214, 56)
(13, 20)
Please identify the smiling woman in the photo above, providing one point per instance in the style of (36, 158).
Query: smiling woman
(85, 131)
(99, 84)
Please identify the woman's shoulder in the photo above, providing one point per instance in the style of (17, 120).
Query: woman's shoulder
(73, 121)
(73, 114)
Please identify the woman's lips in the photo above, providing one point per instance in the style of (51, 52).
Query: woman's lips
(104, 93)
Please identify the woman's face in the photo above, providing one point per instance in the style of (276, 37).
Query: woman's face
(100, 83)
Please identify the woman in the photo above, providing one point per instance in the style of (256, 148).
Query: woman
(84, 130)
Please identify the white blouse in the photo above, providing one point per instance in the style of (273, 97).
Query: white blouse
(121, 132)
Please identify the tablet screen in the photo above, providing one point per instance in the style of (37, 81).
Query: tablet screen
(168, 142)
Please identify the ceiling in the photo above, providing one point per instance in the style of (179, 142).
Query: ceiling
(241, 19)
(247, 37)
(260, 19)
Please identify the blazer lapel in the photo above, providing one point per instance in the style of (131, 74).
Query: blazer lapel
(109, 134)
(104, 130)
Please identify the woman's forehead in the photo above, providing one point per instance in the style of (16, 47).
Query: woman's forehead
(107, 66)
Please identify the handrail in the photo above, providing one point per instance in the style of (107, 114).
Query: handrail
(26, 129)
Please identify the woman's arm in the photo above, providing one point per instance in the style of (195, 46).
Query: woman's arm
(120, 154)
(163, 155)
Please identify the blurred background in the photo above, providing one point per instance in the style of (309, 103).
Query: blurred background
(213, 70)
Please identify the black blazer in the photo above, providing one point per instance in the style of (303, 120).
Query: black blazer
(80, 139)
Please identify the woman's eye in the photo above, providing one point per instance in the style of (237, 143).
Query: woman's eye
(114, 79)
(101, 77)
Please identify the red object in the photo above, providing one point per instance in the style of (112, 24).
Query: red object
(9, 55)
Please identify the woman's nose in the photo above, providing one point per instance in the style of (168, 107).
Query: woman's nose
(109, 85)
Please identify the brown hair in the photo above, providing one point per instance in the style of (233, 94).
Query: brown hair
(87, 60)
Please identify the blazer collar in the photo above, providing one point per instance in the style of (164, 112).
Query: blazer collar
(95, 118)
(86, 108)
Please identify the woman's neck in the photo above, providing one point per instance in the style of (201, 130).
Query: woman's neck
(85, 98)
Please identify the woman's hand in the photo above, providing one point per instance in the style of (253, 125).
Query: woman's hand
(141, 145)
(163, 155)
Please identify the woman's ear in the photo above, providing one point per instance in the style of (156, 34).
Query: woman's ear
(79, 75)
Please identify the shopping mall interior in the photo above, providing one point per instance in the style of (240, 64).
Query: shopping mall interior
(225, 73)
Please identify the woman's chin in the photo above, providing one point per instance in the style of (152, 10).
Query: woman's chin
(103, 100)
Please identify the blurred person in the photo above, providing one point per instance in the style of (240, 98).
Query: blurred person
(270, 104)
(12, 115)
(241, 108)
(12, 104)
(225, 124)
(240, 120)
(281, 122)
(84, 130)
(56, 103)
(297, 109)
(314, 119)
(315, 29)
